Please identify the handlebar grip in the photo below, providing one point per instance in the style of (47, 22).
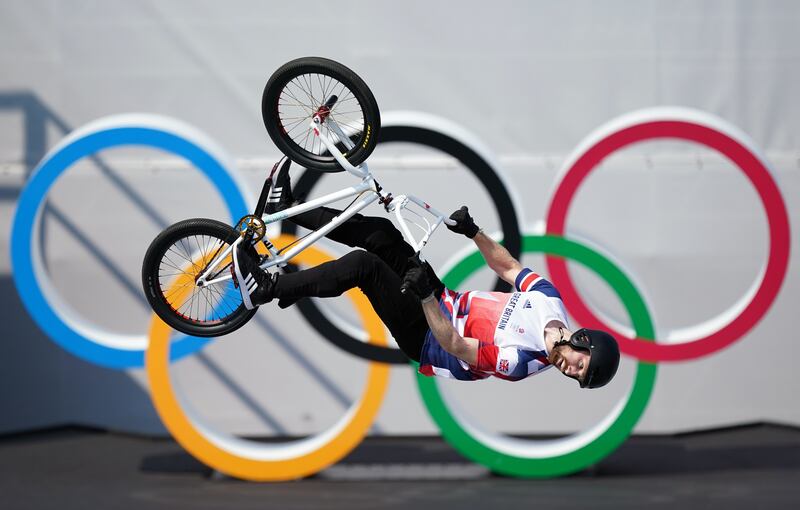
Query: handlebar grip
(448, 221)
(331, 101)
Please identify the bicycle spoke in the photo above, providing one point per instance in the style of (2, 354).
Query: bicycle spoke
(300, 86)
(220, 271)
(172, 289)
(181, 263)
(209, 305)
(221, 298)
(305, 140)
(177, 248)
(348, 97)
(180, 255)
(357, 127)
(177, 290)
(206, 250)
(302, 96)
(296, 125)
(310, 92)
(292, 104)
(299, 102)
(356, 130)
(183, 243)
(214, 303)
(171, 263)
(344, 113)
(187, 306)
(295, 118)
(339, 95)
(322, 87)
(199, 249)
(160, 274)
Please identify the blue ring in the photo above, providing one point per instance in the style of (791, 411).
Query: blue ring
(32, 198)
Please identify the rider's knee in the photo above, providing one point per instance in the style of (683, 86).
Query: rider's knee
(362, 259)
(384, 235)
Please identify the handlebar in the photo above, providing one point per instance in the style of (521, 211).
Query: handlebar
(331, 101)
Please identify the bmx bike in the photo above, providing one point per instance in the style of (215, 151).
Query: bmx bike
(322, 116)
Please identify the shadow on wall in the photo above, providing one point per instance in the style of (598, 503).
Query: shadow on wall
(40, 384)
(43, 386)
(35, 117)
(103, 398)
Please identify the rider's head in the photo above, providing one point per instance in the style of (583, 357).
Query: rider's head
(589, 356)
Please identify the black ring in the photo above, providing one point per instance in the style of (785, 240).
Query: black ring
(469, 158)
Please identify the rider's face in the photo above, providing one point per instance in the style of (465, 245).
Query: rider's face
(571, 362)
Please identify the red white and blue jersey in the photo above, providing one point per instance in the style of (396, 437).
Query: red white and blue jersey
(509, 327)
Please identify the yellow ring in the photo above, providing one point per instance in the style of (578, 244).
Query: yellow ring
(239, 462)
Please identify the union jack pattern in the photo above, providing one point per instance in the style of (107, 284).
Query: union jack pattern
(508, 326)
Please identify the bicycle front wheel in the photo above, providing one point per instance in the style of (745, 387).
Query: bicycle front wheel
(303, 88)
(175, 260)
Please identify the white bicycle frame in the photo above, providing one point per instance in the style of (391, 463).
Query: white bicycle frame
(367, 190)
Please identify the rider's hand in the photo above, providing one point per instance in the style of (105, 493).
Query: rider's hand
(464, 223)
(415, 280)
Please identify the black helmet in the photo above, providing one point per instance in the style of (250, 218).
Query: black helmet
(604, 353)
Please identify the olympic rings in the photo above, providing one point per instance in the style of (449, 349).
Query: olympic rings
(441, 134)
(714, 133)
(258, 461)
(51, 313)
(518, 457)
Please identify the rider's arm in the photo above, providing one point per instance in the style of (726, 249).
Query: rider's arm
(464, 348)
(497, 257)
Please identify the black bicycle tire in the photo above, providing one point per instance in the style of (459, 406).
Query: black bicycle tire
(150, 277)
(269, 111)
(485, 174)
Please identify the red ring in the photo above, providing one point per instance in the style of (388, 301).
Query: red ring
(755, 170)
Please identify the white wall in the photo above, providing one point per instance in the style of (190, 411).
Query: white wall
(530, 79)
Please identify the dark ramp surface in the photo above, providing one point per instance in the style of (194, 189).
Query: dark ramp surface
(746, 467)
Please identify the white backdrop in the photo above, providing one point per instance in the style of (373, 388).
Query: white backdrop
(529, 79)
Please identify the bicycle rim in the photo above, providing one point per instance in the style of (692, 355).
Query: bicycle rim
(302, 97)
(185, 260)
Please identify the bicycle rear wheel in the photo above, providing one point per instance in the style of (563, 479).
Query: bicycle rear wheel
(173, 262)
(304, 87)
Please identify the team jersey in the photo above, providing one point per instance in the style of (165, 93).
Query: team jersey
(508, 326)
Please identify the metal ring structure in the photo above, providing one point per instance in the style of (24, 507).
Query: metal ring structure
(714, 133)
(52, 314)
(542, 459)
(453, 140)
(258, 461)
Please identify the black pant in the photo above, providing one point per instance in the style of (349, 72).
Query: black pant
(377, 272)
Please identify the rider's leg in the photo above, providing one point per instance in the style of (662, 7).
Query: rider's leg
(401, 313)
(374, 234)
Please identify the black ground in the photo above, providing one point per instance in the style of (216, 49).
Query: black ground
(746, 467)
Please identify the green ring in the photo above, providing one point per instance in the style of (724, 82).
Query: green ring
(464, 436)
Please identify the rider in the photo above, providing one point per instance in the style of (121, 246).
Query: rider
(462, 335)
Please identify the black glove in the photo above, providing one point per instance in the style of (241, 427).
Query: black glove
(464, 223)
(415, 280)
